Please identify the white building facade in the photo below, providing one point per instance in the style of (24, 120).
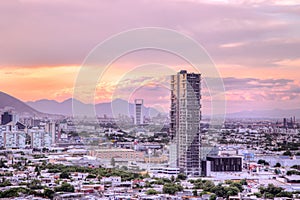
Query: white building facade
(40, 138)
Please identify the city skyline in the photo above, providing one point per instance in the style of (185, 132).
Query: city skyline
(149, 99)
(253, 44)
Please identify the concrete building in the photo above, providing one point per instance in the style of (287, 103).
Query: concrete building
(40, 138)
(8, 117)
(221, 164)
(2, 129)
(52, 128)
(167, 171)
(14, 139)
(185, 117)
(172, 155)
(138, 114)
(13, 133)
(118, 154)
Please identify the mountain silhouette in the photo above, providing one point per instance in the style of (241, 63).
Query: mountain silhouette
(7, 100)
(274, 113)
(112, 109)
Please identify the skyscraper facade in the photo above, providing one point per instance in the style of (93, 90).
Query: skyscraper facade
(185, 118)
(6, 117)
(138, 114)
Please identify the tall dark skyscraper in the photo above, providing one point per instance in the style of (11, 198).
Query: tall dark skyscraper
(185, 117)
(6, 117)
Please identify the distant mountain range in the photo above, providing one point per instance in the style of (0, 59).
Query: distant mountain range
(118, 106)
(114, 108)
(45, 106)
(275, 113)
(19, 106)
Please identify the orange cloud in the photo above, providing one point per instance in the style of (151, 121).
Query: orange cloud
(36, 83)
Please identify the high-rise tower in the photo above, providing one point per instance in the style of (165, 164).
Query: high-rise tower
(185, 117)
(7, 117)
(138, 114)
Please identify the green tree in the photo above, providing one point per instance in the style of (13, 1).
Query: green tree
(162, 181)
(262, 162)
(5, 183)
(64, 175)
(208, 186)
(37, 170)
(268, 195)
(151, 192)
(49, 193)
(244, 182)
(287, 153)
(237, 185)
(2, 164)
(228, 182)
(10, 193)
(172, 188)
(90, 176)
(148, 184)
(277, 165)
(13, 192)
(296, 167)
(65, 187)
(195, 193)
(219, 190)
(271, 191)
(181, 176)
(198, 184)
(258, 194)
(231, 191)
(213, 197)
(285, 194)
(172, 178)
(35, 184)
(291, 172)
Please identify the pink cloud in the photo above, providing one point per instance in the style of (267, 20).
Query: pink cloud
(258, 39)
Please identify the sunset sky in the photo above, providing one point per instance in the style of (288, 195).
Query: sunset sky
(254, 44)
